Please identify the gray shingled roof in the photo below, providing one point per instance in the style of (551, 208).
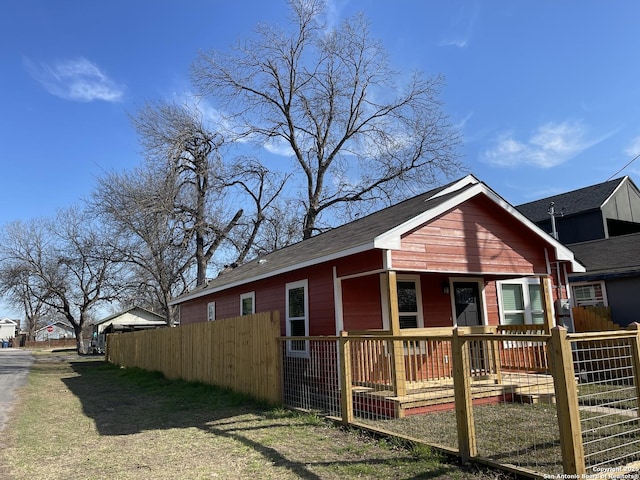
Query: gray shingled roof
(341, 239)
(357, 236)
(576, 201)
(609, 255)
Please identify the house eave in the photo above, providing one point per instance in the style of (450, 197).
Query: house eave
(316, 261)
(468, 188)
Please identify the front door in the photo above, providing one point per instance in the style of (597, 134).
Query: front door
(467, 300)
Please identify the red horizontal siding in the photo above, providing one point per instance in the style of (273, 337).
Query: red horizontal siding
(491, 297)
(270, 296)
(359, 263)
(476, 236)
(194, 311)
(361, 304)
(436, 305)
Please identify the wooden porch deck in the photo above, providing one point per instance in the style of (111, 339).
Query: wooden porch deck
(426, 397)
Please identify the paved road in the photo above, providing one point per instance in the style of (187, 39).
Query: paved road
(14, 366)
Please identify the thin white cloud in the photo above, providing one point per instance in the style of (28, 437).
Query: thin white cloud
(460, 124)
(462, 27)
(454, 42)
(76, 79)
(333, 12)
(634, 147)
(550, 145)
(278, 146)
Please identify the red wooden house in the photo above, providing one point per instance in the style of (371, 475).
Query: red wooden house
(456, 255)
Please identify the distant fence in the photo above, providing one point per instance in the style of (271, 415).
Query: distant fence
(53, 343)
(240, 353)
(593, 319)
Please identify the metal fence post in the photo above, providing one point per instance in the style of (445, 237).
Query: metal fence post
(463, 397)
(346, 399)
(567, 403)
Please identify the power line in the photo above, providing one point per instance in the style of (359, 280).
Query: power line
(628, 163)
(610, 178)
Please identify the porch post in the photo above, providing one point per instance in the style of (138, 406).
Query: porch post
(346, 383)
(397, 348)
(567, 402)
(463, 397)
(547, 303)
(635, 356)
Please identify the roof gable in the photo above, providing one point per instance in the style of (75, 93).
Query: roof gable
(60, 325)
(573, 202)
(130, 310)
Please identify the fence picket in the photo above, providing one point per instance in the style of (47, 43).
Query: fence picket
(218, 353)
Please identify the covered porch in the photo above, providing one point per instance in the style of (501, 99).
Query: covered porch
(403, 371)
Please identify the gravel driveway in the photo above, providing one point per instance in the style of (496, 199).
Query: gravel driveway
(14, 366)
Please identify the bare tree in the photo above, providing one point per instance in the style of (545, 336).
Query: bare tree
(330, 96)
(138, 209)
(65, 264)
(262, 190)
(16, 287)
(183, 151)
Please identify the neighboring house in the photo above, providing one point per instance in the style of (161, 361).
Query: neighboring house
(55, 331)
(456, 255)
(7, 329)
(604, 210)
(612, 278)
(132, 319)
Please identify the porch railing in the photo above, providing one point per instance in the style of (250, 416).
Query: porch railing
(524, 400)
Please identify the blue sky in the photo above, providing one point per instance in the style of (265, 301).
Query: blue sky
(545, 93)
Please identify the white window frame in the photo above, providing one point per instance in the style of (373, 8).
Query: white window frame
(605, 301)
(290, 286)
(386, 323)
(416, 280)
(211, 311)
(243, 297)
(527, 311)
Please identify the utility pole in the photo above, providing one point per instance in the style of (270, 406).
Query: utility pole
(552, 213)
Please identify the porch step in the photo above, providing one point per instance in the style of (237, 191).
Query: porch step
(548, 398)
(425, 397)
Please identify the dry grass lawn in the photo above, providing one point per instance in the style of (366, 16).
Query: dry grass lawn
(80, 418)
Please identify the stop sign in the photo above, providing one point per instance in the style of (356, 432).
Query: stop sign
(50, 328)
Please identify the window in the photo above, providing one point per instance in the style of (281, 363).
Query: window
(407, 304)
(588, 294)
(297, 314)
(521, 302)
(211, 311)
(247, 303)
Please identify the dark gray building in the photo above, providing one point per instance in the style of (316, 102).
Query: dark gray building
(601, 225)
(612, 278)
(604, 210)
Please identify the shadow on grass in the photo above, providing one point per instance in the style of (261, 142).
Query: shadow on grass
(129, 401)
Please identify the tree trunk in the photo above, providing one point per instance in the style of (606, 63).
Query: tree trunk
(80, 346)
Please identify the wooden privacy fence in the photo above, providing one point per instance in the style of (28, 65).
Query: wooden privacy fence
(593, 319)
(240, 353)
